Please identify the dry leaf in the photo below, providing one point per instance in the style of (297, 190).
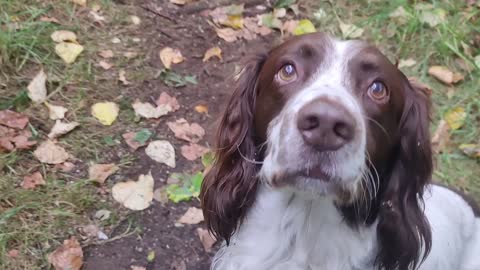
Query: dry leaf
(201, 108)
(13, 253)
(181, 2)
(50, 153)
(100, 172)
(106, 54)
(33, 180)
(69, 256)
(49, 19)
(135, 195)
(82, 3)
(455, 118)
(68, 51)
(65, 166)
(471, 150)
(105, 112)
(170, 56)
(97, 18)
(135, 20)
(105, 65)
(160, 195)
(134, 267)
(129, 138)
(228, 34)
(147, 110)
(213, 52)
(445, 75)
(122, 77)
(350, 30)
(130, 55)
(56, 112)
(193, 151)
(406, 63)
(22, 140)
(60, 128)
(37, 89)
(192, 216)
(116, 40)
(161, 151)
(207, 239)
(165, 99)
(185, 131)
(440, 137)
(289, 26)
(13, 119)
(63, 35)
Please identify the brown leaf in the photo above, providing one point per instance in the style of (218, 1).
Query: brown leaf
(13, 253)
(170, 56)
(207, 239)
(201, 108)
(69, 256)
(23, 140)
(105, 65)
(100, 172)
(192, 216)
(185, 131)
(13, 119)
(106, 54)
(166, 99)
(49, 19)
(129, 138)
(50, 153)
(65, 166)
(228, 34)
(61, 128)
(122, 77)
(193, 151)
(33, 180)
(440, 137)
(213, 52)
(445, 75)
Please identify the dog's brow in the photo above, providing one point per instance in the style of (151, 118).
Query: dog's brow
(369, 66)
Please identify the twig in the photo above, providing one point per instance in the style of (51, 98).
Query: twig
(165, 16)
(201, 6)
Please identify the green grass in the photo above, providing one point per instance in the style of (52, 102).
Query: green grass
(441, 45)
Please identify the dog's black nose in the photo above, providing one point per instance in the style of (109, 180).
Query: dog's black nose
(325, 125)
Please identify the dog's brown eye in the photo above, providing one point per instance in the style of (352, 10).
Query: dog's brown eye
(287, 73)
(377, 91)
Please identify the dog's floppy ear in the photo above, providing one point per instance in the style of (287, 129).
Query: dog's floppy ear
(229, 188)
(404, 233)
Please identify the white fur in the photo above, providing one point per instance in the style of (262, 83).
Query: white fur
(318, 239)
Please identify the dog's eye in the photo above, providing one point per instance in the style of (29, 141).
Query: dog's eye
(287, 73)
(377, 91)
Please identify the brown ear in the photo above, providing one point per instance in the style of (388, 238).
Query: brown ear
(229, 188)
(403, 231)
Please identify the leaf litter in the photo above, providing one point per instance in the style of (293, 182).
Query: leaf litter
(135, 195)
(161, 151)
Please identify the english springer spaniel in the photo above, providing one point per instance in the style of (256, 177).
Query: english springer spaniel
(323, 161)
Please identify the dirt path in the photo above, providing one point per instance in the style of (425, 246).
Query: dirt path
(174, 247)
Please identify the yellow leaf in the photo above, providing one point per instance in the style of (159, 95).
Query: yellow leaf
(105, 112)
(201, 109)
(233, 21)
(63, 35)
(170, 56)
(68, 51)
(212, 52)
(82, 3)
(455, 117)
(304, 27)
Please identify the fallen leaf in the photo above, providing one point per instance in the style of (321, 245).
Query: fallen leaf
(161, 151)
(251, 24)
(82, 3)
(206, 238)
(304, 26)
(97, 18)
(433, 17)
(60, 128)
(33, 180)
(151, 256)
(192, 216)
(400, 15)
(135, 20)
(129, 138)
(23, 140)
(201, 109)
(455, 118)
(68, 51)
(56, 112)
(135, 195)
(440, 137)
(95, 7)
(471, 150)
(165, 99)
(185, 131)
(106, 54)
(122, 76)
(269, 20)
(134, 267)
(105, 112)
(170, 56)
(50, 153)
(350, 30)
(181, 2)
(65, 166)
(13, 119)
(160, 195)
(130, 55)
(102, 214)
(445, 75)
(105, 65)
(63, 35)
(406, 63)
(289, 26)
(228, 34)
(13, 253)
(193, 151)
(37, 89)
(49, 19)
(100, 172)
(213, 52)
(147, 110)
(116, 40)
(69, 256)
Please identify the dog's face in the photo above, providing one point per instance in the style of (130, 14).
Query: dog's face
(328, 110)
